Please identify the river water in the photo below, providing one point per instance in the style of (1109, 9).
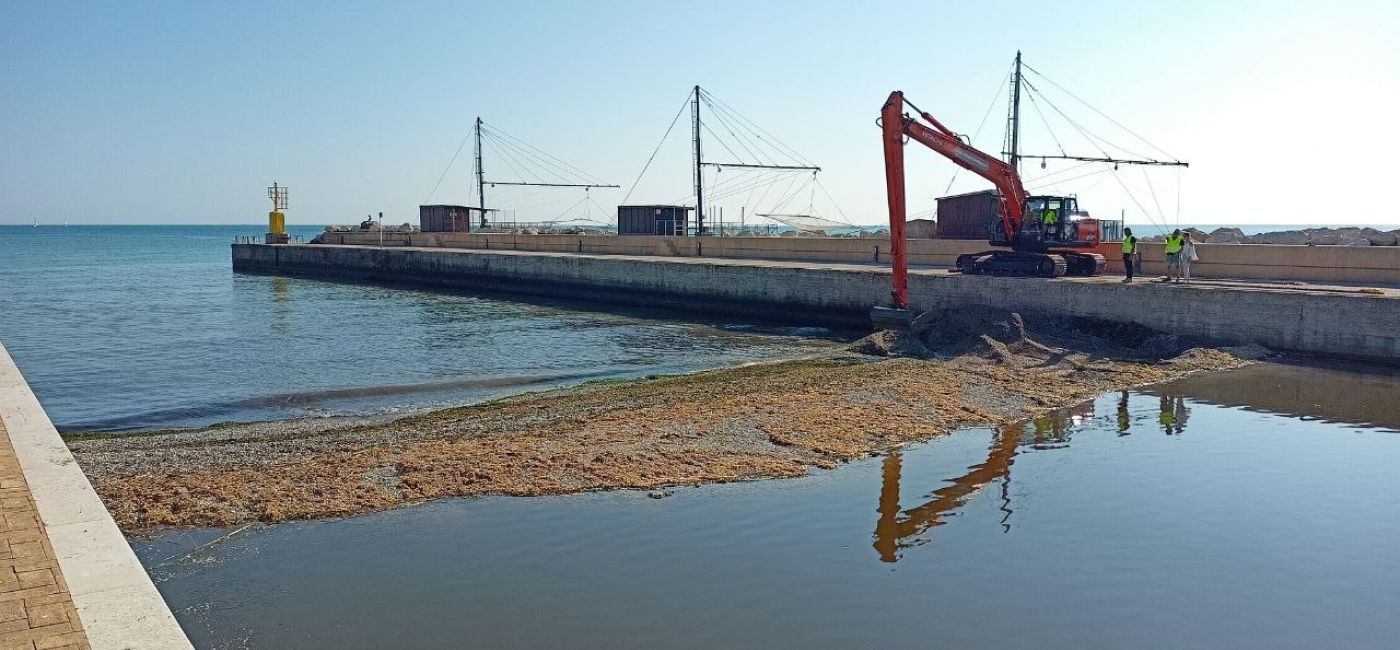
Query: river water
(147, 327)
(1253, 509)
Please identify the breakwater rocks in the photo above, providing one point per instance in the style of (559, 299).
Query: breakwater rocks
(1303, 237)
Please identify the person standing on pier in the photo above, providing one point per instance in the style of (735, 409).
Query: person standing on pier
(1173, 250)
(1188, 255)
(1129, 252)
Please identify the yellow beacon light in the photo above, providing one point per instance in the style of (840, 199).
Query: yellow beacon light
(276, 220)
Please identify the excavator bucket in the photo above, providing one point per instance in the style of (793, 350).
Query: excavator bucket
(891, 318)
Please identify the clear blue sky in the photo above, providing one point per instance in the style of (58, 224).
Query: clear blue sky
(183, 112)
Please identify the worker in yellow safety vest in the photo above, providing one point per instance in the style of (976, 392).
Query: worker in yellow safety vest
(1129, 252)
(1175, 242)
(1050, 219)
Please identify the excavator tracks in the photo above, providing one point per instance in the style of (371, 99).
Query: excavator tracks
(1083, 264)
(1043, 265)
(1012, 263)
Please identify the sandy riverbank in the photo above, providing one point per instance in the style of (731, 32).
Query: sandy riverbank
(759, 421)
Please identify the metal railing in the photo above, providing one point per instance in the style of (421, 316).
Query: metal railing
(262, 239)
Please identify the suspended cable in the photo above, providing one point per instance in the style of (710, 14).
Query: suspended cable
(446, 169)
(1161, 228)
(735, 191)
(767, 187)
(1178, 196)
(571, 207)
(742, 125)
(759, 131)
(812, 196)
(781, 195)
(506, 151)
(741, 182)
(748, 201)
(706, 127)
(504, 158)
(1006, 80)
(1092, 137)
(533, 163)
(1160, 212)
(1057, 172)
(1101, 113)
(1056, 182)
(657, 149)
(788, 199)
(745, 185)
(544, 154)
(1045, 122)
(719, 115)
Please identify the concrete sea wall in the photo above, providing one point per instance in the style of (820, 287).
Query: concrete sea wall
(114, 599)
(1352, 264)
(1331, 323)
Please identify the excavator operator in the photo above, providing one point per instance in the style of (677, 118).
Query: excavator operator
(1051, 221)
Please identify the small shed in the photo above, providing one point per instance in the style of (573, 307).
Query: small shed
(447, 218)
(968, 216)
(653, 219)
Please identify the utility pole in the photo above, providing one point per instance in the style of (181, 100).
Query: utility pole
(481, 182)
(1015, 160)
(699, 164)
(480, 175)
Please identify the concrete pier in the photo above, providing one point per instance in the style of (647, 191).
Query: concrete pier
(68, 578)
(1323, 320)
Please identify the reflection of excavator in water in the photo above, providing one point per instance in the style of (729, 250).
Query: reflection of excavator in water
(898, 529)
(1037, 229)
(893, 532)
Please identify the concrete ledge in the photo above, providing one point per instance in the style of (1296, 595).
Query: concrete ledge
(1337, 322)
(118, 604)
(1357, 264)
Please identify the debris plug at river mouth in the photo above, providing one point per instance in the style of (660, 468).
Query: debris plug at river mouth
(960, 367)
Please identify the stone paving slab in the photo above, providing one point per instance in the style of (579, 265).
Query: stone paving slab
(68, 577)
(36, 608)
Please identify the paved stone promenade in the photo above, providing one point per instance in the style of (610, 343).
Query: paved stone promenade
(36, 610)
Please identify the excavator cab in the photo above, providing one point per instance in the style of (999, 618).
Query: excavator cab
(1042, 243)
(1067, 227)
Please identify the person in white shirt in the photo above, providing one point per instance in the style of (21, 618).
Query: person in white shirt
(1188, 255)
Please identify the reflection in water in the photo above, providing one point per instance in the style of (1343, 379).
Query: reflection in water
(1328, 390)
(1172, 413)
(1124, 419)
(897, 530)
(281, 304)
(1111, 548)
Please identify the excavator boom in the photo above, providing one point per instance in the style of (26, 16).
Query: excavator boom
(1029, 254)
(897, 125)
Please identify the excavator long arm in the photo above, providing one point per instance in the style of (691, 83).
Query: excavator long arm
(897, 125)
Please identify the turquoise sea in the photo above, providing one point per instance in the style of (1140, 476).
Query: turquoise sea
(144, 327)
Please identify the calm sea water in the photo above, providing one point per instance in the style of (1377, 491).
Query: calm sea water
(1230, 511)
(140, 327)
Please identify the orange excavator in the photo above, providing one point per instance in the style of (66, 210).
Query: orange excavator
(1041, 232)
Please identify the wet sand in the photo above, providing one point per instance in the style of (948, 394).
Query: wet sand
(751, 422)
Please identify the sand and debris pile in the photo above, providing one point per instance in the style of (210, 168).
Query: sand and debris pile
(1028, 341)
